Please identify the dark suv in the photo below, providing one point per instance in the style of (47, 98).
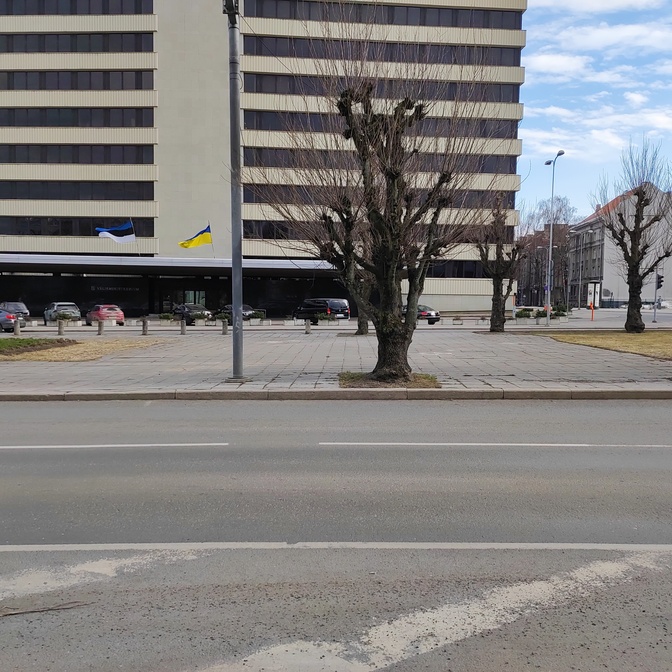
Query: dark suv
(188, 312)
(311, 308)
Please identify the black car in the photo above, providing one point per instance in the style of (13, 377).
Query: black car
(189, 311)
(426, 313)
(248, 311)
(310, 309)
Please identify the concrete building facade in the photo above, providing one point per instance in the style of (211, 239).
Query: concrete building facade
(118, 109)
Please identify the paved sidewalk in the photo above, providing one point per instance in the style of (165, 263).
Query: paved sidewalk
(286, 363)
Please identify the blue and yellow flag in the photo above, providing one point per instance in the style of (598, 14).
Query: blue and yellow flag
(201, 238)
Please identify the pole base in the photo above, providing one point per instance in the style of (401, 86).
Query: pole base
(241, 379)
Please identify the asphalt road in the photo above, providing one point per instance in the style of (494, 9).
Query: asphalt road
(479, 536)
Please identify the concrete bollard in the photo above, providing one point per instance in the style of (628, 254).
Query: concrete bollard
(61, 327)
(306, 326)
(225, 327)
(101, 327)
(145, 326)
(17, 327)
(183, 327)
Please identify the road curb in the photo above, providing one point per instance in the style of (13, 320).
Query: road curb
(348, 394)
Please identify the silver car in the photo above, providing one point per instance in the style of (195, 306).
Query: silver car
(8, 320)
(56, 307)
(17, 307)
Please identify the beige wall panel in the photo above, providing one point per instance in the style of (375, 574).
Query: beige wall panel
(283, 249)
(79, 99)
(265, 101)
(15, 208)
(52, 171)
(78, 136)
(139, 61)
(278, 139)
(145, 23)
(76, 245)
(380, 33)
(448, 73)
(193, 151)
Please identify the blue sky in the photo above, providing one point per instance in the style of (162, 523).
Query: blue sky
(598, 74)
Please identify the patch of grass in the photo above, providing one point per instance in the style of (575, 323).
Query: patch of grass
(418, 380)
(16, 346)
(656, 343)
(78, 351)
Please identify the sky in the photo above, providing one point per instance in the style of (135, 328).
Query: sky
(598, 76)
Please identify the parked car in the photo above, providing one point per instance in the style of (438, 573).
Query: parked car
(8, 320)
(426, 313)
(311, 308)
(247, 310)
(105, 311)
(57, 307)
(188, 311)
(16, 307)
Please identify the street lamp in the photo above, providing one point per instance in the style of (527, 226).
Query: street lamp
(230, 8)
(551, 162)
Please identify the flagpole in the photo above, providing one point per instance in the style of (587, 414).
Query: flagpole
(212, 242)
(137, 242)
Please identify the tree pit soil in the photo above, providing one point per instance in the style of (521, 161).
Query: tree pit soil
(364, 380)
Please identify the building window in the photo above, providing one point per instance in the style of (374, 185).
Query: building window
(69, 226)
(40, 190)
(318, 10)
(76, 42)
(82, 80)
(299, 47)
(97, 154)
(70, 7)
(385, 88)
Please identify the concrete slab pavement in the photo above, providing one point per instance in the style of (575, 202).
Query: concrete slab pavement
(284, 362)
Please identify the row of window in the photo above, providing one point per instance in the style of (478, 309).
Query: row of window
(300, 47)
(318, 10)
(77, 80)
(96, 154)
(256, 229)
(456, 268)
(69, 226)
(32, 43)
(78, 117)
(263, 120)
(69, 7)
(40, 190)
(311, 159)
(314, 195)
(384, 88)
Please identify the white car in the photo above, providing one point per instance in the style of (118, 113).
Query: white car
(66, 307)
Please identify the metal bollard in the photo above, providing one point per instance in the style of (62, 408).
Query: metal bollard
(306, 326)
(101, 327)
(61, 327)
(145, 326)
(225, 327)
(17, 327)
(183, 327)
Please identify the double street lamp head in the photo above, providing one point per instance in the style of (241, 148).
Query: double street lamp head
(552, 161)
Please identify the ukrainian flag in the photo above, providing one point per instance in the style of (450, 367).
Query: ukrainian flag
(201, 238)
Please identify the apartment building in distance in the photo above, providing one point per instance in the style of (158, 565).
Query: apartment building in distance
(118, 109)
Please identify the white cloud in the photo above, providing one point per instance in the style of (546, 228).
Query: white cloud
(628, 39)
(557, 64)
(635, 99)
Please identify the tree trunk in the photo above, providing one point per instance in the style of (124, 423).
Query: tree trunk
(633, 322)
(394, 339)
(362, 323)
(498, 310)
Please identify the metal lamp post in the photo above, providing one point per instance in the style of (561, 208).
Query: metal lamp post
(230, 8)
(551, 162)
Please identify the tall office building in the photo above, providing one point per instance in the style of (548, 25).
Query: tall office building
(118, 109)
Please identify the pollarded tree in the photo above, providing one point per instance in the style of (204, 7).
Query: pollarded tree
(501, 257)
(386, 169)
(639, 221)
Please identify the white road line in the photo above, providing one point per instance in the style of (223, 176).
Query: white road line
(333, 545)
(72, 446)
(427, 630)
(458, 444)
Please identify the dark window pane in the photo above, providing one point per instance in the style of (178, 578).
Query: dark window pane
(147, 42)
(97, 83)
(114, 42)
(96, 7)
(98, 154)
(129, 80)
(97, 117)
(67, 154)
(20, 81)
(64, 43)
(116, 81)
(53, 154)
(116, 117)
(115, 6)
(116, 154)
(51, 43)
(33, 81)
(83, 81)
(85, 154)
(4, 81)
(147, 80)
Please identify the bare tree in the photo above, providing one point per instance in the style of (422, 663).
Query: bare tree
(638, 218)
(395, 178)
(501, 258)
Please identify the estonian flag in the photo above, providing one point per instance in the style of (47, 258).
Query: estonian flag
(201, 238)
(123, 233)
